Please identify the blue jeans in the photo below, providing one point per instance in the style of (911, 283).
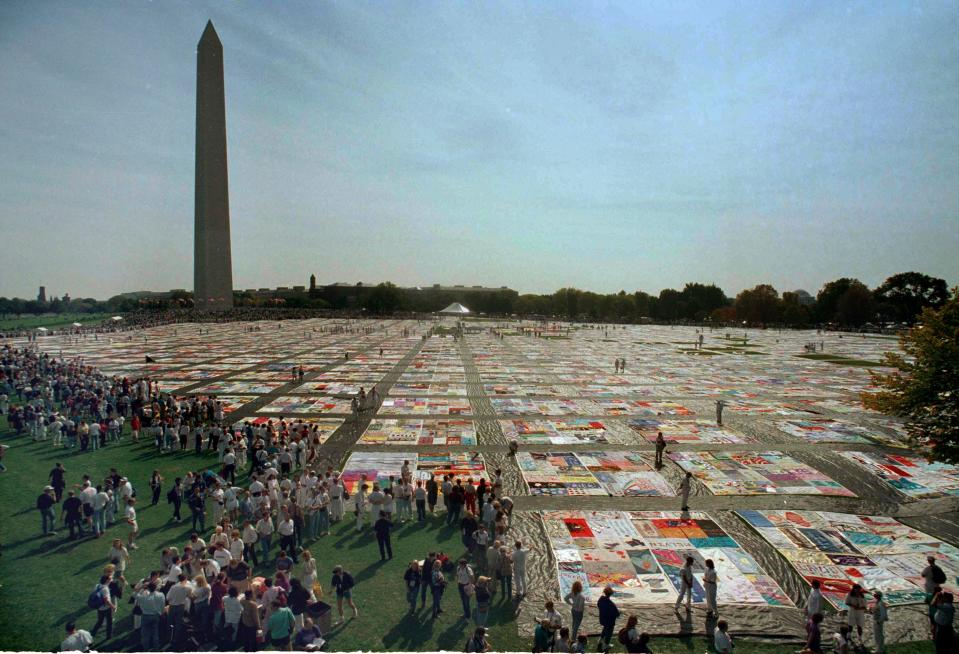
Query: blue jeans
(482, 614)
(465, 599)
(265, 547)
(411, 595)
(506, 584)
(99, 525)
(149, 632)
(323, 519)
(48, 520)
(577, 620)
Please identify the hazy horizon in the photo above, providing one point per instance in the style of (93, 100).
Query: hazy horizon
(619, 146)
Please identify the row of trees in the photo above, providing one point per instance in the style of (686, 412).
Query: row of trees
(845, 301)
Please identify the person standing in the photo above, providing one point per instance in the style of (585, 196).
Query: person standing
(660, 448)
(48, 517)
(383, 526)
(483, 597)
(686, 585)
(359, 506)
(156, 485)
(343, 584)
(419, 494)
(684, 488)
(856, 606)
(178, 597)
(720, 404)
(264, 530)
(465, 585)
(432, 493)
(280, 626)
(880, 616)
(411, 578)
(71, 514)
(506, 573)
(58, 481)
(814, 634)
(286, 528)
(131, 518)
(577, 601)
(249, 623)
(815, 600)
(711, 587)
(175, 497)
(945, 635)
(608, 615)
(437, 586)
(519, 569)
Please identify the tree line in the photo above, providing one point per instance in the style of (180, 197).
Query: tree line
(845, 302)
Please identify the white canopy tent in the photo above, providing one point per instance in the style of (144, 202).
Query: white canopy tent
(455, 309)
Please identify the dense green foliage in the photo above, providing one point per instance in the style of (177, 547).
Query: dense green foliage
(924, 388)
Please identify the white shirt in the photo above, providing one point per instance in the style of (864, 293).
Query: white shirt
(100, 501)
(814, 603)
(286, 527)
(264, 526)
(178, 595)
(722, 643)
(131, 514)
(519, 558)
(249, 535)
(464, 574)
(232, 609)
(80, 640)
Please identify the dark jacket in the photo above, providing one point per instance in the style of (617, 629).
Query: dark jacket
(608, 612)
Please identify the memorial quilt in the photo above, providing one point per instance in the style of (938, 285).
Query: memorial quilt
(590, 473)
(640, 554)
(685, 431)
(839, 550)
(756, 473)
(911, 475)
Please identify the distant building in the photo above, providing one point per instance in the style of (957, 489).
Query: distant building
(312, 282)
(804, 297)
(42, 295)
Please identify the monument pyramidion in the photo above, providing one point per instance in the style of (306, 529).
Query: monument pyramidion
(212, 263)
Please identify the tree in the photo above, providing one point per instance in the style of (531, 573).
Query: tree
(908, 293)
(794, 313)
(700, 300)
(924, 388)
(827, 300)
(855, 306)
(759, 305)
(383, 299)
(670, 305)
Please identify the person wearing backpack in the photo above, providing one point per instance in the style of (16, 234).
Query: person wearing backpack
(100, 600)
(933, 575)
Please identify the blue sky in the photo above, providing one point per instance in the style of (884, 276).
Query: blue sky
(634, 145)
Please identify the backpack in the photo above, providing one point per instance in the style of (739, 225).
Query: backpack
(938, 575)
(95, 600)
(623, 636)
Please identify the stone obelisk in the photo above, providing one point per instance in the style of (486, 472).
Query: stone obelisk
(212, 264)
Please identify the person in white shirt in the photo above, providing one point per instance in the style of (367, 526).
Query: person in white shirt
(249, 536)
(519, 568)
(286, 528)
(178, 597)
(814, 601)
(464, 582)
(232, 609)
(711, 586)
(264, 529)
(77, 640)
(359, 504)
(336, 499)
(100, 502)
(722, 641)
(880, 616)
(131, 518)
(222, 555)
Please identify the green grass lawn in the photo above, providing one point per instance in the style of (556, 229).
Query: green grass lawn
(52, 321)
(45, 581)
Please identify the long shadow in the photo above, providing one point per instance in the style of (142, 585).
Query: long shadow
(410, 633)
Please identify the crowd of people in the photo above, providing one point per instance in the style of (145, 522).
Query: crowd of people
(234, 582)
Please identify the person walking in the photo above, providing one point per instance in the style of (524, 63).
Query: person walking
(608, 615)
(814, 634)
(815, 600)
(48, 517)
(432, 493)
(343, 584)
(880, 616)
(686, 585)
(382, 527)
(105, 608)
(249, 623)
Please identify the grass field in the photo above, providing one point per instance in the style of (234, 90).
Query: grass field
(45, 581)
(53, 321)
(841, 360)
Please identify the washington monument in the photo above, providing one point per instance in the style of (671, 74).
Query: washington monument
(212, 264)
